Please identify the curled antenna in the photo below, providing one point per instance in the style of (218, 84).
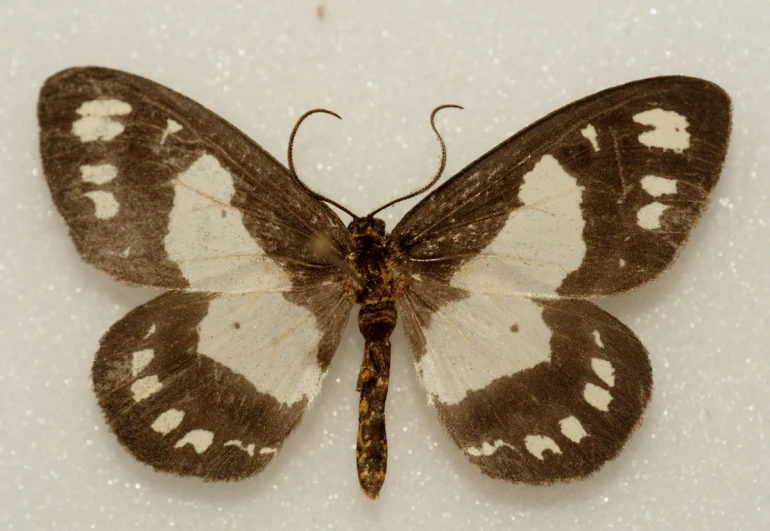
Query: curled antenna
(441, 166)
(291, 161)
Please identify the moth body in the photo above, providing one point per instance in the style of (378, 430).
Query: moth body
(373, 260)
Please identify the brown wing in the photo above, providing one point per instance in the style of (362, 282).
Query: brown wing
(534, 384)
(532, 391)
(596, 198)
(210, 385)
(159, 191)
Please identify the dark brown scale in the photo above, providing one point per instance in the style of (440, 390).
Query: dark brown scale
(375, 262)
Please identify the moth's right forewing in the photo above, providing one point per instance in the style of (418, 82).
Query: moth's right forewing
(159, 191)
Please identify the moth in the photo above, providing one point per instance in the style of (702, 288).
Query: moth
(490, 274)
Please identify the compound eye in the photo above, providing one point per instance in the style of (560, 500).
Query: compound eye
(379, 226)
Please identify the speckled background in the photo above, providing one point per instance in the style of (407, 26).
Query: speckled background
(701, 459)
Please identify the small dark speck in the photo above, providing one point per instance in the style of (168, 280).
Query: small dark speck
(237, 325)
(514, 328)
(321, 11)
(224, 213)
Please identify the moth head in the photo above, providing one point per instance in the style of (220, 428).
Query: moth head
(367, 227)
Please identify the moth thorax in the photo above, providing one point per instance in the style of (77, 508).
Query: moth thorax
(377, 321)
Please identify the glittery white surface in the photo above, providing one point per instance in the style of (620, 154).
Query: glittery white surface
(702, 457)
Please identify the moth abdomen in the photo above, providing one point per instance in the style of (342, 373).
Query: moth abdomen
(376, 323)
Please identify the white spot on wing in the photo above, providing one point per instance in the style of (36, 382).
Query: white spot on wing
(572, 429)
(598, 339)
(248, 449)
(537, 444)
(597, 397)
(267, 450)
(541, 242)
(96, 122)
(109, 107)
(150, 332)
(669, 130)
(658, 186)
(216, 253)
(171, 127)
(99, 174)
(473, 337)
(622, 263)
(168, 421)
(486, 449)
(199, 439)
(105, 204)
(589, 132)
(648, 217)
(604, 370)
(141, 359)
(277, 350)
(145, 387)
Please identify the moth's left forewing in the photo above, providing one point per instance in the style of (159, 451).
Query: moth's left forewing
(596, 198)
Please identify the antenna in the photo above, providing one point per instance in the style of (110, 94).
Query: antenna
(440, 169)
(291, 161)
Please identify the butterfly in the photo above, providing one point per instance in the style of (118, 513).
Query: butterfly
(489, 274)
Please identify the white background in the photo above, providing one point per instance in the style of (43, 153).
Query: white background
(701, 459)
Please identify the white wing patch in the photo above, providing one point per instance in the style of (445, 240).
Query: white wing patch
(98, 174)
(151, 331)
(145, 387)
(589, 132)
(597, 397)
(572, 429)
(168, 421)
(604, 370)
(97, 123)
(487, 449)
(469, 344)
(658, 186)
(540, 244)
(105, 204)
(141, 359)
(669, 130)
(648, 217)
(275, 348)
(199, 439)
(537, 444)
(598, 338)
(171, 127)
(239, 444)
(206, 237)
(267, 450)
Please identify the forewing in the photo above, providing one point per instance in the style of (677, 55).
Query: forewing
(210, 385)
(159, 191)
(596, 198)
(533, 391)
